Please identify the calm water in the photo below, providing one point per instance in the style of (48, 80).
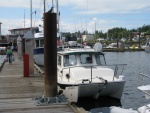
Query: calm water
(136, 62)
(2, 57)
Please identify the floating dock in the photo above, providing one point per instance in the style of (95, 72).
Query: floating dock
(17, 92)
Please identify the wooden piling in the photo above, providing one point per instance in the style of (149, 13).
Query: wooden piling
(50, 54)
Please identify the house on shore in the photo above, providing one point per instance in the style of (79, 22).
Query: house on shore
(15, 33)
(11, 39)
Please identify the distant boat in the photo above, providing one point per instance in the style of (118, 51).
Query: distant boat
(112, 45)
(38, 50)
(147, 45)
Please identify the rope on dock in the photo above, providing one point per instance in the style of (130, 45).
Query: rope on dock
(39, 69)
(43, 101)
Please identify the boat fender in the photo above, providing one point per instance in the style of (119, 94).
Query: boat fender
(85, 80)
(67, 76)
(103, 80)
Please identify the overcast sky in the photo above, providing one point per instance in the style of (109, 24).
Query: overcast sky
(77, 15)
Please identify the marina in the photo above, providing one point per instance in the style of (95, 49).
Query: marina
(132, 98)
(17, 92)
(58, 66)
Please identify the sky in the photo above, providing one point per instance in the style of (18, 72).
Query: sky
(76, 15)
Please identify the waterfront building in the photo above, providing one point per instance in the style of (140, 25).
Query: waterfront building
(14, 33)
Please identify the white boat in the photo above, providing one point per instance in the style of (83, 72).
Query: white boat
(38, 50)
(112, 109)
(112, 45)
(82, 72)
(147, 46)
(146, 90)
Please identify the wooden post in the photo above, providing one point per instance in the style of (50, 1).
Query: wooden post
(50, 54)
(23, 45)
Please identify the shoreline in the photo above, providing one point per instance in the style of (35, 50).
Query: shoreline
(121, 50)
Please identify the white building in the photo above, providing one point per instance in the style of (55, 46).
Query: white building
(87, 37)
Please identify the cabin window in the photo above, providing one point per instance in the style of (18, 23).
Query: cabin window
(59, 60)
(70, 60)
(37, 43)
(100, 60)
(86, 59)
(41, 43)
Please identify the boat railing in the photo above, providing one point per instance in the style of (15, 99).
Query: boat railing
(118, 69)
(144, 75)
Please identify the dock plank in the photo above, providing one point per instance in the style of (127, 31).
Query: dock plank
(17, 92)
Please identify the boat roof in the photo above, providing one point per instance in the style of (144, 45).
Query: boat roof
(69, 51)
(39, 35)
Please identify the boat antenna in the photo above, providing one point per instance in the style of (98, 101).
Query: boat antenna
(86, 17)
(58, 20)
(58, 14)
(31, 13)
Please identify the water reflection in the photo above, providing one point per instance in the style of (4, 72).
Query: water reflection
(90, 103)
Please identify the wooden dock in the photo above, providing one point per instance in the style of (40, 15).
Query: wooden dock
(17, 92)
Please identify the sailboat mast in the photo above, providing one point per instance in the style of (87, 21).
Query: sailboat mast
(24, 22)
(31, 13)
(44, 7)
(57, 15)
(52, 3)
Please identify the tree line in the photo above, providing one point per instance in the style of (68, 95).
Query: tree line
(114, 33)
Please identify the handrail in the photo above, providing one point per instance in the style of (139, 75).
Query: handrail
(144, 75)
(115, 70)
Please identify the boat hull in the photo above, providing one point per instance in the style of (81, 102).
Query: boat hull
(146, 90)
(39, 56)
(112, 89)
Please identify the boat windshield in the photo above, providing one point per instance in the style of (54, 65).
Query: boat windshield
(86, 58)
(70, 60)
(100, 60)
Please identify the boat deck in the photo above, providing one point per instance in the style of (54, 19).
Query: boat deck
(17, 92)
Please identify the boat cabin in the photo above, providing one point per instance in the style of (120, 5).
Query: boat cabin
(80, 57)
(39, 40)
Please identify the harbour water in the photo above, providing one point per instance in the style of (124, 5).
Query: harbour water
(136, 62)
(2, 57)
(132, 97)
